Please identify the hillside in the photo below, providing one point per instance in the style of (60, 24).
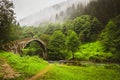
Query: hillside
(51, 13)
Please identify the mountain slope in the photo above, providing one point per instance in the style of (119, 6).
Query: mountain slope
(55, 13)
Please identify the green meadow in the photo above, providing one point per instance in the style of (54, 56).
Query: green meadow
(26, 66)
(63, 72)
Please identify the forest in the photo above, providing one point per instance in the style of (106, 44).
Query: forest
(86, 46)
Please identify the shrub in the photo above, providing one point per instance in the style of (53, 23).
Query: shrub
(93, 51)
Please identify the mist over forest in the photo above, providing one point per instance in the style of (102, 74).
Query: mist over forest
(57, 13)
(60, 40)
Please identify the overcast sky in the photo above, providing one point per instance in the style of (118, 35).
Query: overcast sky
(25, 8)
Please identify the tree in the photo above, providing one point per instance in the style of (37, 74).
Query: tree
(6, 19)
(87, 27)
(72, 42)
(51, 28)
(68, 25)
(15, 32)
(45, 38)
(110, 36)
(76, 12)
(56, 46)
(104, 10)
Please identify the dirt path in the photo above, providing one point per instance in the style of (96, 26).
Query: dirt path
(41, 73)
(7, 71)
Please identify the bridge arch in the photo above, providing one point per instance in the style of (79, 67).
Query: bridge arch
(41, 44)
(18, 45)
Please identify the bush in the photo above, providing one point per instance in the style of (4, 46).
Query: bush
(93, 51)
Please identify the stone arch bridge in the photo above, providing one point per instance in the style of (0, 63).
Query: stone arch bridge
(18, 45)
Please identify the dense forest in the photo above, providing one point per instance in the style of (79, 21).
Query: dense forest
(91, 33)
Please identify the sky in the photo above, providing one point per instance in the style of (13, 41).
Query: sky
(24, 8)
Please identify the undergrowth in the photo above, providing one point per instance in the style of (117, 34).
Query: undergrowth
(92, 51)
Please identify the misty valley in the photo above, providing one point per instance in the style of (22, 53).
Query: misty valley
(59, 40)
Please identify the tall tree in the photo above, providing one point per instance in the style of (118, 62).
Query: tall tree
(56, 46)
(72, 42)
(111, 36)
(6, 19)
(104, 10)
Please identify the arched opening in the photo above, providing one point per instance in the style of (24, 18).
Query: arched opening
(35, 47)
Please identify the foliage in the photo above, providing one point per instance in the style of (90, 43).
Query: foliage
(56, 46)
(32, 32)
(78, 11)
(104, 10)
(111, 36)
(67, 25)
(88, 27)
(33, 49)
(28, 32)
(42, 31)
(6, 19)
(72, 42)
(93, 51)
(27, 66)
(45, 38)
(51, 28)
(15, 32)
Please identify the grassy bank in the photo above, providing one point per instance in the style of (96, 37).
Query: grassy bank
(27, 66)
(83, 73)
(93, 51)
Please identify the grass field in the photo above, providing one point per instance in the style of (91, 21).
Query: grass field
(62, 72)
(27, 66)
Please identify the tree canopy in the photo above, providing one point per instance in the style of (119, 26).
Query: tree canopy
(72, 42)
(111, 36)
(6, 19)
(57, 46)
(88, 27)
(104, 10)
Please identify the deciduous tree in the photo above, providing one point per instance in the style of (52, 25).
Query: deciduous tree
(6, 19)
(72, 42)
(57, 46)
(87, 27)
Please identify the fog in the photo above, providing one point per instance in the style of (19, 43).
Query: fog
(36, 12)
(25, 8)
